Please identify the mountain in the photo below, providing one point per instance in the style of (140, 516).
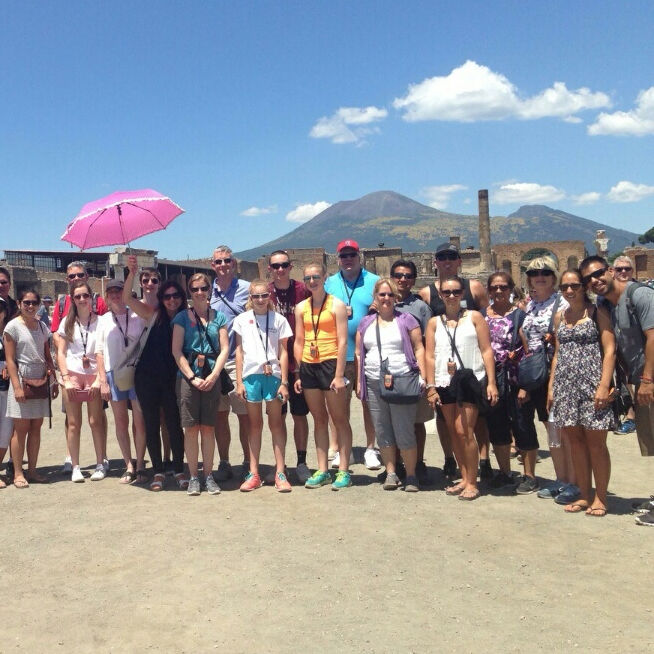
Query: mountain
(399, 221)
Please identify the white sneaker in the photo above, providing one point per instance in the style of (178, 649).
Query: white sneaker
(105, 465)
(336, 461)
(302, 472)
(331, 454)
(371, 459)
(99, 473)
(77, 475)
(67, 468)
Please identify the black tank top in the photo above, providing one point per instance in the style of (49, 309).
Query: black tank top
(437, 305)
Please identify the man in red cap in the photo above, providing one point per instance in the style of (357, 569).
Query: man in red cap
(353, 284)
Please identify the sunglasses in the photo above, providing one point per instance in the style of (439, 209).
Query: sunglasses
(199, 289)
(260, 296)
(171, 296)
(499, 287)
(447, 256)
(82, 296)
(77, 275)
(385, 294)
(586, 279)
(348, 255)
(574, 286)
(403, 276)
(217, 262)
(277, 266)
(539, 273)
(455, 292)
(312, 278)
(31, 303)
(623, 269)
(3, 282)
(152, 280)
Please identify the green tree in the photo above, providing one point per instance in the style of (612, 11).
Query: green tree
(647, 237)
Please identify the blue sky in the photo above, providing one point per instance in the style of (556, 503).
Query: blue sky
(255, 115)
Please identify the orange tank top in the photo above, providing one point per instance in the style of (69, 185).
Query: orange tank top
(322, 342)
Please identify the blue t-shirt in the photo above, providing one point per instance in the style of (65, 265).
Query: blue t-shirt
(195, 337)
(231, 303)
(359, 297)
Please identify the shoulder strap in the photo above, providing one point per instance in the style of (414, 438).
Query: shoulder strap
(94, 302)
(555, 308)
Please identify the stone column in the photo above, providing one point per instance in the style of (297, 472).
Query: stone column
(484, 231)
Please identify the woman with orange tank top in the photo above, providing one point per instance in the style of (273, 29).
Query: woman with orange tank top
(321, 348)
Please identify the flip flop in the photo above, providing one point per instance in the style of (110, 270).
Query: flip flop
(127, 477)
(576, 507)
(596, 512)
(469, 495)
(454, 490)
(21, 483)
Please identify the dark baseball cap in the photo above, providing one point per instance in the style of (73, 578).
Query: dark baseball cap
(447, 247)
(114, 283)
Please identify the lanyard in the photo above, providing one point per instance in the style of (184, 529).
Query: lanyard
(124, 333)
(202, 330)
(265, 347)
(85, 337)
(452, 337)
(345, 286)
(316, 325)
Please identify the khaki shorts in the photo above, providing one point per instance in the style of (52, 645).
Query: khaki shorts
(645, 428)
(232, 401)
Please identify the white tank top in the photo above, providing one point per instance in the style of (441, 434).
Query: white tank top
(467, 345)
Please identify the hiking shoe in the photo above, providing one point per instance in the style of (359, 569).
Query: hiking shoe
(67, 468)
(343, 480)
(211, 485)
(99, 473)
(77, 475)
(643, 507)
(193, 486)
(527, 485)
(449, 467)
(570, 493)
(224, 472)
(411, 484)
(371, 459)
(318, 479)
(550, 491)
(646, 519)
(485, 470)
(282, 484)
(391, 482)
(500, 480)
(626, 427)
(422, 473)
(252, 482)
(336, 461)
(302, 472)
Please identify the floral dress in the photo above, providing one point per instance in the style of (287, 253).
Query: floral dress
(501, 335)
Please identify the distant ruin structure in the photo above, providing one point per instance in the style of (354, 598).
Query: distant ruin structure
(601, 243)
(485, 263)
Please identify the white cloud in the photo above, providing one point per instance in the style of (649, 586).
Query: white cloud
(637, 122)
(439, 196)
(629, 192)
(259, 211)
(586, 198)
(473, 92)
(526, 193)
(304, 212)
(345, 125)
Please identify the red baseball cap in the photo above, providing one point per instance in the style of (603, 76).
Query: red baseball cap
(348, 243)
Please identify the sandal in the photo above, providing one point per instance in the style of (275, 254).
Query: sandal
(127, 477)
(469, 495)
(576, 507)
(454, 490)
(182, 480)
(596, 511)
(157, 482)
(21, 482)
(141, 477)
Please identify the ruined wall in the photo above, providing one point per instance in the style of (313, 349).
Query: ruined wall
(643, 259)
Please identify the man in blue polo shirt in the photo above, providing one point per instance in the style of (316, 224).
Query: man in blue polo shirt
(353, 284)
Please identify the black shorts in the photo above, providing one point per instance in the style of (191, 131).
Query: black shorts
(507, 418)
(318, 375)
(297, 403)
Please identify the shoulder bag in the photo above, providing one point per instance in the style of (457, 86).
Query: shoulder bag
(397, 389)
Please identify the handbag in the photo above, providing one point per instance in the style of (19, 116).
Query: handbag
(534, 367)
(403, 388)
(124, 377)
(36, 389)
(123, 372)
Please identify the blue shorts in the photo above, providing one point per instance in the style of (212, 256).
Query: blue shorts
(261, 387)
(116, 394)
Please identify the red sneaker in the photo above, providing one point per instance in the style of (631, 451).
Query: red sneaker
(282, 484)
(252, 482)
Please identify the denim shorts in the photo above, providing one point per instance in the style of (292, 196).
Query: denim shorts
(116, 394)
(261, 387)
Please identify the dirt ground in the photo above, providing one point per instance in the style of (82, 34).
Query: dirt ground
(109, 568)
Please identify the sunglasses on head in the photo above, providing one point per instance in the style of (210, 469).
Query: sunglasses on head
(348, 255)
(199, 289)
(312, 278)
(277, 266)
(403, 276)
(77, 275)
(499, 287)
(622, 269)
(217, 262)
(573, 286)
(540, 273)
(171, 296)
(31, 303)
(82, 296)
(152, 280)
(447, 256)
(586, 279)
(454, 292)
(260, 296)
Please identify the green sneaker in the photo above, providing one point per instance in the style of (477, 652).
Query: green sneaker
(318, 479)
(343, 480)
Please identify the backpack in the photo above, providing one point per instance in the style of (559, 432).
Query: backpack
(631, 310)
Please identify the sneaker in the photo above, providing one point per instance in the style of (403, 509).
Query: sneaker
(646, 519)
(211, 485)
(644, 507)
(336, 461)
(331, 454)
(343, 480)
(527, 485)
(67, 468)
(422, 473)
(99, 473)
(570, 493)
(302, 472)
(449, 467)
(224, 472)
(105, 465)
(391, 482)
(193, 486)
(76, 475)
(626, 427)
(245, 469)
(550, 491)
(500, 480)
(252, 482)
(282, 484)
(411, 484)
(372, 459)
(485, 470)
(318, 479)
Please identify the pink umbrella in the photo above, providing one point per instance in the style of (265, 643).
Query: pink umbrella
(120, 218)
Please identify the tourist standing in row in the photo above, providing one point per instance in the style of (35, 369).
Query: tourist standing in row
(6, 424)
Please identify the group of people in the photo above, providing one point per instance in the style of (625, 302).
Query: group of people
(482, 361)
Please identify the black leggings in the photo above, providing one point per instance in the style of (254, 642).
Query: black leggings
(155, 393)
(507, 417)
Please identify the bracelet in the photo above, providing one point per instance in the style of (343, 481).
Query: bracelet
(648, 380)
(428, 386)
(190, 379)
(284, 383)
